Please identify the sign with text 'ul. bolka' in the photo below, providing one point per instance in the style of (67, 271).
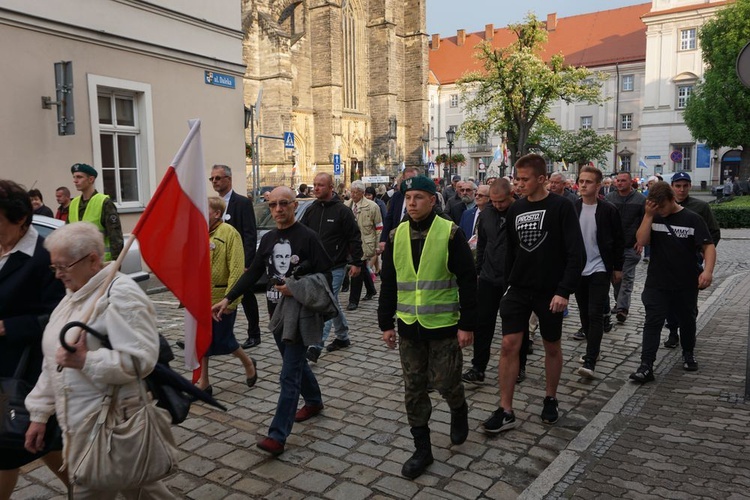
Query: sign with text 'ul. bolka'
(219, 79)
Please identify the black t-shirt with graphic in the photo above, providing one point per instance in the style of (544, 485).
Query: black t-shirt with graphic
(676, 242)
(281, 253)
(545, 248)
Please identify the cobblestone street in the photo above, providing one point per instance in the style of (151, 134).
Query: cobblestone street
(355, 448)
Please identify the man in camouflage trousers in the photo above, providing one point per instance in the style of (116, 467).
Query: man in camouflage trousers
(429, 283)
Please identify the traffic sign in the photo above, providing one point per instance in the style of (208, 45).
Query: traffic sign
(676, 156)
(336, 164)
(289, 140)
(431, 167)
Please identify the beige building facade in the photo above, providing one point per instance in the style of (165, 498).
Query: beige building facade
(140, 70)
(347, 77)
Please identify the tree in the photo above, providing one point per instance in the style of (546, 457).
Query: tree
(517, 87)
(580, 146)
(718, 111)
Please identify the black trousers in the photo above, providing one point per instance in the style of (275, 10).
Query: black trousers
(355, 287)
(250, 306)
(592, 296)
(658, 303)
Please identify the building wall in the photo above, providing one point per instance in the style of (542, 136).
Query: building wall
(164, 71)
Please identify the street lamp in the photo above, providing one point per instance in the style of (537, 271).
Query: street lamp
(450, 136)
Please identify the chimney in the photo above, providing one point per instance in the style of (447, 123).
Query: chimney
(435, 41)
(460, 37)
(489, 32)
(552, 21)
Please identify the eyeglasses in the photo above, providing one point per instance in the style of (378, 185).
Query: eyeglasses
(479, 195)
(65, 269)
(217, 178)
(282, 203)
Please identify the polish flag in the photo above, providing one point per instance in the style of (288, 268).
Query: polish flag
(173, 236)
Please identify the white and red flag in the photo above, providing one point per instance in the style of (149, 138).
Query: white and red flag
(173, 236)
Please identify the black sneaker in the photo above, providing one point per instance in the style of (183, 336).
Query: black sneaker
(688, 362)
(549, 412)
(582, 358)
(587, 370)
(500, 421)
(473, 376)
(579, 335)
(673, 341)
(607, 323)
(337, 344)
(643, 374)
(312, 354)
(521, 376)
(621, 316)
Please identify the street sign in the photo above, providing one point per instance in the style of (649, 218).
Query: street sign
(289, 140)
(336, 164)
(376, 179)
(431, 167)
(676, 156)
(653, 157)
(219, 79)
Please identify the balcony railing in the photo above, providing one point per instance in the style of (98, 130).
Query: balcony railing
(480, 148)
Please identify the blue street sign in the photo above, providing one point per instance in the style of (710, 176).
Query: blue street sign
(431, 168)
(336, 164)
(219, 79)
(289, 140)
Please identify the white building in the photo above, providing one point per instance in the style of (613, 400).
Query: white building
(139, 71)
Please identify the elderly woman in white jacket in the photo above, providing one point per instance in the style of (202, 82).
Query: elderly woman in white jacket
(124, 313)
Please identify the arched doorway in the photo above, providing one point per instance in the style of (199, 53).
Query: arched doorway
(730, 165)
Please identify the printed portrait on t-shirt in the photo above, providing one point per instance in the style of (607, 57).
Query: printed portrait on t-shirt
(281, 257)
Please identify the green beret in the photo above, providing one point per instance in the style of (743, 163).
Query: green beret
(84, 169)
(420, 183)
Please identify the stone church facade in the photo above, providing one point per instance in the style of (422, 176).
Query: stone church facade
(347, 77)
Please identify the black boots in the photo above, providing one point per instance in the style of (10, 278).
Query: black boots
(460, 424)
(422, 457)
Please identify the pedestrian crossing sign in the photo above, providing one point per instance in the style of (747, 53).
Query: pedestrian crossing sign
(289, 140)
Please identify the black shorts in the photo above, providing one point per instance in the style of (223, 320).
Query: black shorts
(516, 307)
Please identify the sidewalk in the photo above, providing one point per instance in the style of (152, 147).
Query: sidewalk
(683, 436)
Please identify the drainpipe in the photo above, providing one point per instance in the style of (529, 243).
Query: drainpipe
(615, 164)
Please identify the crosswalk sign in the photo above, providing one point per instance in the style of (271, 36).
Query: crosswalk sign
(289, 140)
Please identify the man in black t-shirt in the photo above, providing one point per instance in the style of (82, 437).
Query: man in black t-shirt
(543, 264)
(287, 250)
(677, 237)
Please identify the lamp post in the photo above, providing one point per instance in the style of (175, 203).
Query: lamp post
(450, 136)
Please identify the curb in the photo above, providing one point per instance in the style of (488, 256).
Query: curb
(572, 454)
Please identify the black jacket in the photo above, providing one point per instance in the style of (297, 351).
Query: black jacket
(491, 245)
(609, 236)
(632, 208)
(241, 216)
(460, 263)
(338, 230)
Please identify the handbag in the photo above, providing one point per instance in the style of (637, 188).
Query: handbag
(112, 453)
(14, 417)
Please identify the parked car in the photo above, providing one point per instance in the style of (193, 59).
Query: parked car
(131, 264)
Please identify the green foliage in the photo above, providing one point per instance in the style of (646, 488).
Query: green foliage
(718, 111)
(734, 213)
(580, 146)
(517, 87)
(456, 159)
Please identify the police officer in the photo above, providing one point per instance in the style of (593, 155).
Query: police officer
(435, 302)
(96, 208)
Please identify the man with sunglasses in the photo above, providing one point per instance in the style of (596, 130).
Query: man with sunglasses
(240, 215)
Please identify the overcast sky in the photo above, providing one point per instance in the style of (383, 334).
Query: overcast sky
(447, 16)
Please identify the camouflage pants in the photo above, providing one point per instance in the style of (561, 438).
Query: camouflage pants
(438, 362)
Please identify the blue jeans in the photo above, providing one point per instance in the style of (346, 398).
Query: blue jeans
(296, 378)
(339, 322)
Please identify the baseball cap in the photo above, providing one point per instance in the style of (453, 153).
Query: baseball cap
(681, 176)
(420, 182)
(456, 178)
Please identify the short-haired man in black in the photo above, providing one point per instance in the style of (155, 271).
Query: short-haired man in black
(677, 237)
(545, 257)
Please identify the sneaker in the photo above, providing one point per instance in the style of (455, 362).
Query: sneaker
(312, 354)
(500, 421)
(337, 344)
(673, 341)
(622, 315)
(521, 376)
(587, 370)
(579, 335)
(530, 349)
(307, 412)
(369, 296)
(352, 306)
(643, 374)
(272, 446)
(582, 358)
(645, 260)
(688, 362)
(549, 412)
(473, 376)
(607, 323)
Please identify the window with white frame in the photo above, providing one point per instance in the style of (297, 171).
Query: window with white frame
(626, 121)
(454, 100)
(687, 157)
(628, 83)
(121, 118)
(688, 39)
(683, 94)
(587, 122)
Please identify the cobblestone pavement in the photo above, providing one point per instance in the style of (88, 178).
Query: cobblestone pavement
(355, 448)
